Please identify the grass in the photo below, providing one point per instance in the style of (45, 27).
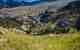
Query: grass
(13, 41)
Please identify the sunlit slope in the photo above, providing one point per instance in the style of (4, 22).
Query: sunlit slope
(12, 41)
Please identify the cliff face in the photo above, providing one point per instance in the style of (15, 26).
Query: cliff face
(20, 11)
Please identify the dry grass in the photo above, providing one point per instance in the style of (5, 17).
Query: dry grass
(13, 41)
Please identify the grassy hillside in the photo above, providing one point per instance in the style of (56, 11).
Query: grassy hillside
(10, 40)
(13, 41)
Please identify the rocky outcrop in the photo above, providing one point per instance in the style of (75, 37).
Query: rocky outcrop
(39, 24)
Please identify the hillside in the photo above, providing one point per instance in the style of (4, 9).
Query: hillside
(20, 15)
(40, 27)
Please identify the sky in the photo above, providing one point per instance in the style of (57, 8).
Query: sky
(31, 0)
(27, 0)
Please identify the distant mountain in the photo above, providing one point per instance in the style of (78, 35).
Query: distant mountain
(15, 3)
(71, 5)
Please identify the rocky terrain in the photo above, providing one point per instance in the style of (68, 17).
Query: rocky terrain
(41, 19)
